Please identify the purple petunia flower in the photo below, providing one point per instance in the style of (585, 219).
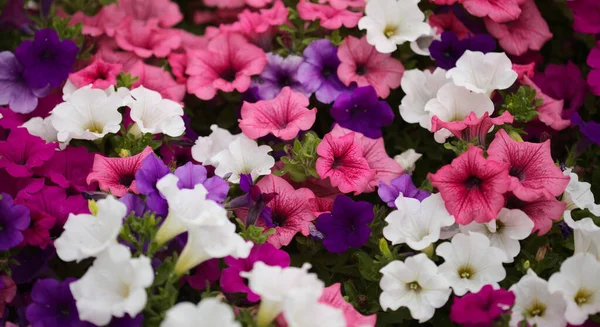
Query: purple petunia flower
(46, 59)
(254, 200)
(21, 152)
(362, 111)
(53, 304)
(13, 16)
(31, 263)
(403, 184)
(449, 49)
(590, 129)
(14, 91)
(135, 205)
(279, 73)
(563, 82)
(14, 219)
(347, 224)
(481, 308)
(127, 321)
(318, 72)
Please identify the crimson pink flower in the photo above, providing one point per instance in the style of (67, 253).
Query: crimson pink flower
(99, 73)
(117, 175)
(550, 112)
(329, 17)
(166, 12)
(524, 70)
(541, 211)
(283, 116)
(481, 308)
(22, 152)
(497, 10)
(147, 40)
(472, 187)
(449, 22)
(159, 80)
(471, 127)
(227, 64)
(69, 168)
(532, 170)
(529, 32)
(363, 64)
(52, 201)
(341, 160)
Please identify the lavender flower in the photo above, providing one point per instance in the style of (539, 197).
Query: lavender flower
(279, 73)
(403, 184)
(14, 91)
(318, 72)
(14, 219)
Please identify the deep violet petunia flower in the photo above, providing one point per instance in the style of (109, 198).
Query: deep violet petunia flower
(362, 64)
(532, 171)
(69, 168)
(232, 282)
(585, 13)
(590, 129)
(205, 273)
(472, 187)
(254, 200)
(226, 64)
(347, 225)
(99, 73)
(284, 116)
(472, 127)
(46, 59)
(450, 48)
(14, 90)
(482, 308)
(403, 184)
(117, 175)
(279, 73)
(53, 304)
(318, 72)
(22, 152)
(542, 211)
(362, 111)
(14, 219)
(31, 262)
(563, 82)
(332, 296)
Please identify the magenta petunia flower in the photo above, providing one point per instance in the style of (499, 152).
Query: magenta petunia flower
(8, 291)
(472, 187)
(22, 152)
(497, 10)
(585, 13)
(69, 168)
(207, 272)
(593, 60)
(332, 296)
(551, 110)
(232, 282)
(14, 219)
(542, 211)
(117, 175)
(563, 82)
(533, 172)
(329, 17)
(472, 127)
(99, 73)
(481, 308)
(52, 201)
(284, 116)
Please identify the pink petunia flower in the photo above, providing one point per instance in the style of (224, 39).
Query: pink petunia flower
(99, 73)
(321, 205)
(524, 70)
(159, 80)
(283, 116)
(585, 14)
(542, 211)
(343, 4)
(52, 201)
(481, 308)
(332, 296)
(261, 26)
(178, 63)
(117, 175)
(497, 10)
(227, 64)
(69, 169)
(449, 22)
(363, 64)
(533, 172)
(472, 187)
(329, 17)
(472, 127)
(529, 32)
(224, 3)
(550, 112)
(8, 291)
(22, 152)
(166, 12)
(107, 21)
(342, 161)
(109, 51)
(145, 39)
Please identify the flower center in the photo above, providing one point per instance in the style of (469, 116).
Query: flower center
(473, 182)
(229, 75)
(94, 127)
(278, 219)
(389, 31)
(466, 271)
(414, 286)
(499, 226)
(361, 70)
(285, 81)
(582, 297)
(1, 228)
(536, 309)
(517, 172)
(126, 179)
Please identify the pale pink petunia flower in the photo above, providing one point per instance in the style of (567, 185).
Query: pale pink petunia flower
(117, 175)
(260, 26)
(107, 21)
(332, 296)
(166, 12)
(550, 112)
(363, 64)
(146, 39)
(227, 64)
(224, 3)
(329, 17)
(109, 51)
(98, 73)
(529, 32)
(542, 211)
(159, 80)
(497, 10)
(284, 116)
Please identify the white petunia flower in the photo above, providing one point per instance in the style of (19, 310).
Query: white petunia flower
(209, 312)
(483, 73)
(153, 114)
(393, 22)
(69, 88)
(421, 45)
(417, 223)
(471, 263)
(455, 103)
(41, 127)
(578, 195)
(89, 114)
(86, 235)
(579, 285)
(243, 156)
(535, 304)
(586, 234)
(208, 146)
(407, 160)
(505, 232)
(420, 87)
(275, 284)
(113, 286)
(415, 284)
(301, 310)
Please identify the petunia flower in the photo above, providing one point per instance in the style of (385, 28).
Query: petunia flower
(390, 23)
(301, 310)
(318, 72)
(584, 13)
(450, 48)
(498, 11)
(532, 170)
(536, 304)
(407, 160)
(578, 195)
(21, 153)
(542, 211)
(279, 73)
(14, 219)
(153, 114)
(332, 296)
(420, 87)
(226, 64)
(206, 273)
(472, 187)
(208, 312)
(115, 285)
(416, 284)
(117, 175)
(482, 265)
(53, 304)
(42, 127)
(362, 111)
(146, 39)
(284, 116)
(38, 231)
(448, 21)
(159, 80)
(551, 110)
(586, 234)
(363, 64)
(165, 11)
(207, 147)
(329, 17)
(402, 185)
(589, 129)
(528, 32)
(8, 291)
(481, 308)
(99, 73)
(417, 223)
(69, 168)
(14, 89)
(13, 16)
(483, 73)
(563, 82)
(243, 156)
(472, 127)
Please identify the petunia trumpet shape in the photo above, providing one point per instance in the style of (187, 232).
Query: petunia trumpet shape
(243, 156)
(153, 114)
(483, 73)
(208, 313)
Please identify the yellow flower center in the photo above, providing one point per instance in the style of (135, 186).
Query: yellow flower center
(582, 297)
(389, 31)
(466, 271)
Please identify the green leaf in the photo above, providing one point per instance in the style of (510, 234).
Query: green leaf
(522, 104)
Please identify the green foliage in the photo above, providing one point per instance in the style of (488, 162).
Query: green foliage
(163, 293)
(131, 142)
(301, 158)
(89, 7)
(126, 80)
(254, 233)
(460, 146)
(522, 104)
(140, 231)
(61, 26)
(297, 36)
